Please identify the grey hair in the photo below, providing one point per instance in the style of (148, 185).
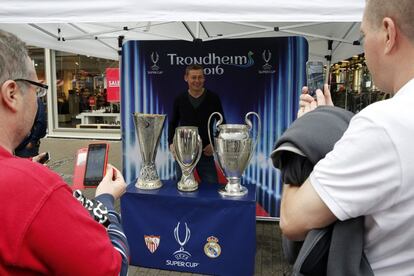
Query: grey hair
(13, 58)
(401, 11)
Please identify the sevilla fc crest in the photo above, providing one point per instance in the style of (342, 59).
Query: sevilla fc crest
(152, 242)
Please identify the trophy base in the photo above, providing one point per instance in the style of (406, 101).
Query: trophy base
(240, 191)
(148, 185)
(187, 184)
(187, 188)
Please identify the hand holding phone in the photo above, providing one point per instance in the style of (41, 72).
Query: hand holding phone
(308, 103)
(113, 183)
(96, 163)
(315, 77)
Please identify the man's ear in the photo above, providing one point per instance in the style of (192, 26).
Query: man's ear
(9, 95)
(185, 78)
(390, 34)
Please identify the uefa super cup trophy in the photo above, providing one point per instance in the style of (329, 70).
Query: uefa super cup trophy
(149, 128)
(233, 148)
(188, 148)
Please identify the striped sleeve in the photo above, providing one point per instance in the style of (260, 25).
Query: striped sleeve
(115, 231)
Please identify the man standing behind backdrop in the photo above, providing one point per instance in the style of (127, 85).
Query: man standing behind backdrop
(193, 108)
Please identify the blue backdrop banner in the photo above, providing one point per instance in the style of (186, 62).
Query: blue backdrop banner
(264, 75)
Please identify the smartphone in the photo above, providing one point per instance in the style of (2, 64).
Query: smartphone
(315, 76)
(96, 161)
(45, 158)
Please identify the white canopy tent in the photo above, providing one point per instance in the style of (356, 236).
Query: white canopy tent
(93, 27)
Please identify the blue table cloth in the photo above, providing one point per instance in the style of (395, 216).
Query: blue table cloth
(197, 232)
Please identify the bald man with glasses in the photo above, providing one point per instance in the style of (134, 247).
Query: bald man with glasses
(44, 229)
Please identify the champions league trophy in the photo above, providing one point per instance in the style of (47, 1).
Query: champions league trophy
(233, 148)
(149, 128)
(188, 148)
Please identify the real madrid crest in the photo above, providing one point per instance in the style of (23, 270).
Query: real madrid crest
(212, 249)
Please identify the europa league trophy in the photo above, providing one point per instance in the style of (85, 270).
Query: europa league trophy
(149, 128)
(233, 149)
(188, 148)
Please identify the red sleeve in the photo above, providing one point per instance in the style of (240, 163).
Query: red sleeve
(64, 240)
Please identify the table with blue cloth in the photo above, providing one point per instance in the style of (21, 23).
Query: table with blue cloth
(196, 232)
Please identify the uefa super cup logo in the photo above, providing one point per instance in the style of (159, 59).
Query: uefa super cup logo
(182, 257)
(155, 58)
(267, 55)
(181, 254)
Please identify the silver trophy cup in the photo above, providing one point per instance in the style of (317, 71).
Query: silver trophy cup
(233, 149)
(188, 148)
(148, 128)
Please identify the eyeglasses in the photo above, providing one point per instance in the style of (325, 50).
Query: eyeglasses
(41, 89)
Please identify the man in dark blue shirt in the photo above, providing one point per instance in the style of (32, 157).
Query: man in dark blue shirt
(193, 108)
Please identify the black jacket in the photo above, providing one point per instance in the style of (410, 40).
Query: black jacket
(39, 128)
(338, 249)
(184, 114)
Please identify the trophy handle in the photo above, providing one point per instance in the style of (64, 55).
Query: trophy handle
(249, 124)
(217, 124)
(200, 150)
(175, 149)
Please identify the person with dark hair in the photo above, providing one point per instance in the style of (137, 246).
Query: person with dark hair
(193, 108)
(369, 172)
(31, 144)
(44, 229)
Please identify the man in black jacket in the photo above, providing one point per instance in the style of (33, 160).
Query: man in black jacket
(193, 108)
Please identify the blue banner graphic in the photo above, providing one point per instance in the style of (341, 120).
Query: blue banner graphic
(264, 75)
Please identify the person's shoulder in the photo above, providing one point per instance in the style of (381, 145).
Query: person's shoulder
(211, 94)
(24, 172)
(392, 115)
(181, 96)
(377, 110)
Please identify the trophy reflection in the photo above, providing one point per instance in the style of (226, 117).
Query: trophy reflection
(233, 149)
(188, 148)
(148, 128)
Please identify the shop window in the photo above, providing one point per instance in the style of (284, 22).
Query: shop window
(82, 98)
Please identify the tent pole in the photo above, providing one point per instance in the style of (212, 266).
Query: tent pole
(204, 29)
(197, 30)
(44, 31)
(189, 30)
(120, 42)
(96, 38)
(328, 59)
